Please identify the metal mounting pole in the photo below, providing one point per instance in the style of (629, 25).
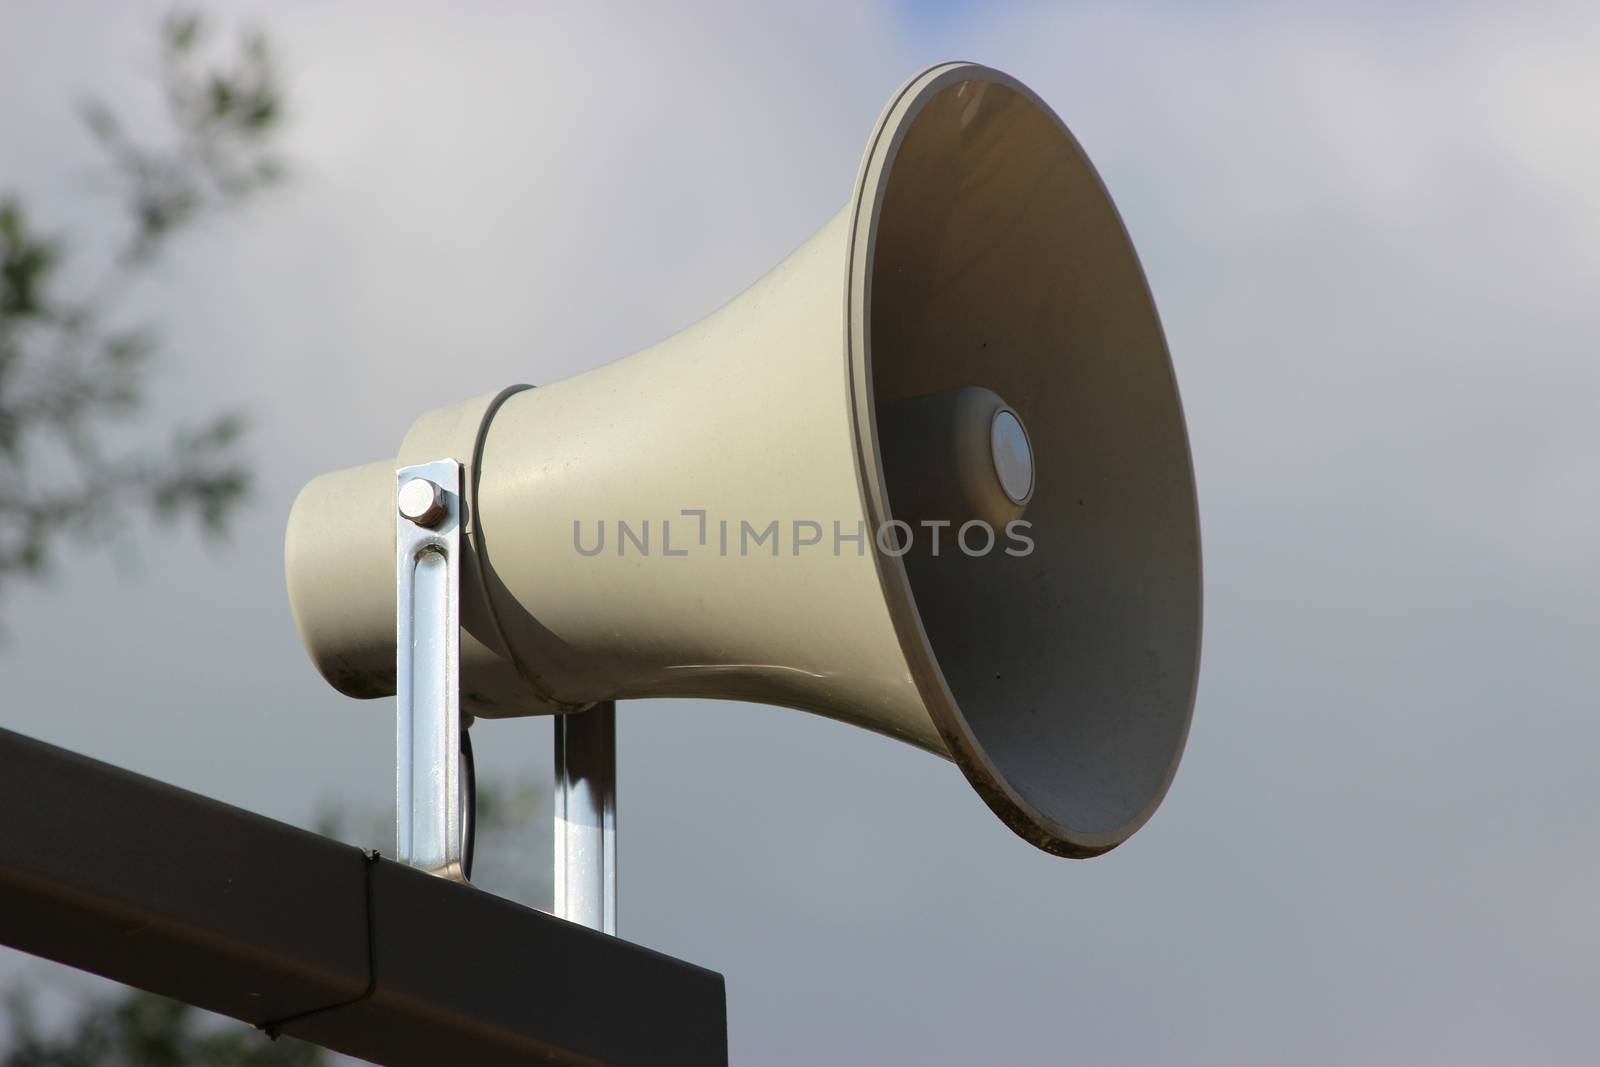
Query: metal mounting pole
(586, 817)
(429, 826)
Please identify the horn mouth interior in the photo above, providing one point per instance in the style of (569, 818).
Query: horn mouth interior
(988, 254)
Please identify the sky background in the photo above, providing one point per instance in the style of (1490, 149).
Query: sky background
(1374, 235)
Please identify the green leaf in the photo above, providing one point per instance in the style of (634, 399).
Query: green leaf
(183, 30)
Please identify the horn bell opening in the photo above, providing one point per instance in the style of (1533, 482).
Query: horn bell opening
(986, 253)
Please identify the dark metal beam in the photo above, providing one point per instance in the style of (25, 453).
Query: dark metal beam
(158, 888)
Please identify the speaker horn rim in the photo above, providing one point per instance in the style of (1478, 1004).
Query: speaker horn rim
(1023, 817)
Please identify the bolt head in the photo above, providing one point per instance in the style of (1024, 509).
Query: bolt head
(422, 502)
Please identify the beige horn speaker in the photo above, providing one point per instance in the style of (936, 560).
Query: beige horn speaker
(747, 510)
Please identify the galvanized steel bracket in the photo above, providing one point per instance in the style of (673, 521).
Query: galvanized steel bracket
(430, 824)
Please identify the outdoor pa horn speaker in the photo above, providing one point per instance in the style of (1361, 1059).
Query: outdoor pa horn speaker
(929, 476)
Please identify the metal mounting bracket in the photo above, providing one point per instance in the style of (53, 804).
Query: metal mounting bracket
(431, 791)
(430, 828)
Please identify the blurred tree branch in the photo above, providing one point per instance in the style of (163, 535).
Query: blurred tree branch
(74, 461)
(138, 1029)
(71, 374)
(70, 370)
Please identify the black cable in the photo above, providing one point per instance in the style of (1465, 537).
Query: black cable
(274, 1028)
(469, 782)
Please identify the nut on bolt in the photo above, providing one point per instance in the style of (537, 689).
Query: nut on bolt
(422, 502)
